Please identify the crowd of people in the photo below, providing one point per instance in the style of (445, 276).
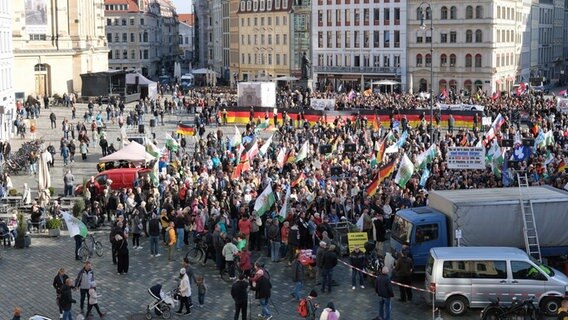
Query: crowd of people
(215, 187)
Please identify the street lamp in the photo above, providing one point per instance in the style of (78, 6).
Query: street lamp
(425, 7)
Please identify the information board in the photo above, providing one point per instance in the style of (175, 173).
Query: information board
(466, 158)
(357, 239)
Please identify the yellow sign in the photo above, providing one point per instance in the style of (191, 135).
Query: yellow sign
(357, 239)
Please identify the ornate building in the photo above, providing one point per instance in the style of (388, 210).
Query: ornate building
(7, 109)
(54, 42)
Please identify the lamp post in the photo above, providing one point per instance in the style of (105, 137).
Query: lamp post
(425, 8)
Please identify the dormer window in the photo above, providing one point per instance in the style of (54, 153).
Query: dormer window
(255, 5)
(268, 5)
(284, 4)
(262, 5)
(277, 4)
(249, 5)
(243, 6)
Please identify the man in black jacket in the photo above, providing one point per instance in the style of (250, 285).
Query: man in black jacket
(262, 286)
(58, 283)
(240, 296)
(357, 259)
(383, 288)
(66, 300)
(329, 262)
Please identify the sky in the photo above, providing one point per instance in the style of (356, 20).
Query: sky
(182, 6)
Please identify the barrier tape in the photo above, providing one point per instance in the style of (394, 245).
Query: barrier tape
(393, 282)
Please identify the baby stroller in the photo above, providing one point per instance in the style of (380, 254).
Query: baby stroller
(164, 302)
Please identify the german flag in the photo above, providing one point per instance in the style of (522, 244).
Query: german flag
(381, 151)
(385, 172)
(561, 166)
(464, 141)
(377, 123)
(299, 179)
(184, 129)
(244, 165)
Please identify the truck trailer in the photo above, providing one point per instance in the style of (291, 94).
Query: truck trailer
(483, 217)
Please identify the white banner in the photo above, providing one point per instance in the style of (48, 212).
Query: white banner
(562, 105)
(486, 121)
(322, 104)
(460, 107)
(466, 158)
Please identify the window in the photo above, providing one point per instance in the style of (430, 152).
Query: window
(242, 57)
(366, 17)
(278, 59)
(269, 5)
(525, 271)
(428, 63)
(338, 42)
(469, 12)
(396, 38)
(132, 54)
(249, 58)
(269, 39)
(478, 36)
(376, 16)
(262, 5)
(419, 39)
(145, 52)
(475, 269)
(243, 6)
(338, 17)
(468, 36)
(376, 41)
(320, 39)
(453, 37)
(419, 14)
(123, 22)
(356, 17)
(386, 16)
(443, 60)
(285, 39)
(278, 39)
(124, 37)
(348, 17)
(269, 21)
(285, 59)
(452, 60)
(284, 20)
(444, 13)
(270, 54)
(262, 40)
(110, 55)
(347, 39)
(356, 39)
(479, 12)
(419, 60)
(386, 39)
(141, 21)
(320, 18)
(109, 22)
(255, 5)
(444, 37)
(468, 61)
(116, 37)
(453, 13)
(478, 60)
(329, 39)
(124, 54)
(132, 37)
(242, 39)
(248, 39)
(109, 37)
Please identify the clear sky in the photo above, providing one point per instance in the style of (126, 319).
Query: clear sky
(183, 6)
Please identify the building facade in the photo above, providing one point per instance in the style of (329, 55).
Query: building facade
(357, 42)
(203, 34)
(186, 37)
(56, 41)
(264, 39)
(7, 99)
(142, 36)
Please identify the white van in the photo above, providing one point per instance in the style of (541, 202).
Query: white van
(463, 277)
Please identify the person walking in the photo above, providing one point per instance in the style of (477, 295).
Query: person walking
(66, 300)
(403, 272)
(69, 182)
(171, 238)
(201, 290)
(357, 260)
(229, 251)
(239, 292)
(184, 290)
(154, 233)
(298, 277)
(58, 283)
(263, 288)
(383, 288)
(83, 282)
(53, 120)
(93, 301)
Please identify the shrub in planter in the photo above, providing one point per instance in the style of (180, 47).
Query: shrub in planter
(78, 207)
(23, 240)
(54, 227)
(51, 191)
(13, 192)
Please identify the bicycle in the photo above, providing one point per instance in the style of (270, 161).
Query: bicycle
(90, 246)
(198, 252)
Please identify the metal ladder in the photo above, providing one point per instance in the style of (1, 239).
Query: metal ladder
(530, 233)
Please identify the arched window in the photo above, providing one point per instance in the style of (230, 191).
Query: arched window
(478, 36)
(468, 61)
(419, 13)
(478, 85)
(443, 60)
(444, 13)
(423, 85)
(479, 12)
(478, 60)
(452, 60)
(453, 85)
(419, 60)
(469, 12)
(442, 84)
(428, 60)
(453, 13)
(467, 85)
(469, 36)
(40, 67)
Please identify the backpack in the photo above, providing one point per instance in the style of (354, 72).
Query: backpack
(302, 308)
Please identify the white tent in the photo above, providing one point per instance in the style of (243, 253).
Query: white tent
(286, 78)
(385, 82)
(205, 71)
(143, 82)
(133, 152)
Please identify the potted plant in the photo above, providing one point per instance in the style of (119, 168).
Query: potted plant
(51, 191)
(23, 239)
(78, 207)
(54, 226)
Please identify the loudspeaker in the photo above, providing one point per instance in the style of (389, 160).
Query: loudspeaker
(528, 142)
(507, 143)
(140, 128)
(349, 147)
(152, 123)
(325, 148)
(336, 171)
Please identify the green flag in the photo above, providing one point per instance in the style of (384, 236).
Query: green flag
(283, 214)
(426, 157)
(405, 170)
(74, 225)
(264, 201)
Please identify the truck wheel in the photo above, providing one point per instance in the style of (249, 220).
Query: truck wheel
(456, 305)
(550, 306)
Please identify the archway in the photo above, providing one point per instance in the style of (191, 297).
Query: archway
(41, 75)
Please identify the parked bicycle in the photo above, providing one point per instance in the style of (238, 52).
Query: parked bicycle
(198, 252)
(89, 247)
(519, 309)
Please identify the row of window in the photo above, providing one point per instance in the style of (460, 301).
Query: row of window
(142, 37)
(116, 7)
(122, 21)
(5, 78)
(254, 39)
(264, 58)
(520, 270)
(451, 13)
(348, 15)
(468, 85)
(470, 60)
(451, 37)
(6, 44)
(263, 5)
(118, 54)
(339, 2)
(347, 60)
(348, 39)
(506, 13)
(255, 21)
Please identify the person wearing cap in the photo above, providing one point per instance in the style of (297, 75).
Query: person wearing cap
(184, 290)
(93, 301)
(329, 312)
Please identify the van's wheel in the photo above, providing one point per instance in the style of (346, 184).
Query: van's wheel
(550, 306)
(456, 305)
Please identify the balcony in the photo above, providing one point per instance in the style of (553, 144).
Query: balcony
(368, 70)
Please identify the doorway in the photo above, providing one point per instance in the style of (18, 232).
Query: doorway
(41, 72)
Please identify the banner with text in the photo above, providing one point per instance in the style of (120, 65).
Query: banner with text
(562, 105)
(466, 158)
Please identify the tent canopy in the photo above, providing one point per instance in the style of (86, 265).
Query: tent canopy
(205, 71)
(143, 81)
(385, 82)
(133, 151)
(286, 78)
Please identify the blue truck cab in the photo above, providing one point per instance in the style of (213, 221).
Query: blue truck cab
(421, 228)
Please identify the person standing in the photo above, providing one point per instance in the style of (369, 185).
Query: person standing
(53, 120)
(179, 224)
(239, 292)
(383, 288)
(171, 232)
(357, 260)
(69, 182)
(93, 301)
(263, 287)
(403, 272)
(78, 241)
(228, 252)
(122, 254)
(83, 282)
(329, 312)
(329, 262)
(201, 290)
(154, 233)
(58, 283)
(298, 278)
(184, 290)
(136, 229)
(66, 300)
(273, 235)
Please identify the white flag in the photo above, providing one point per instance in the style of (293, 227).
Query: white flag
(264, 201)
(237, 138)
(265, 146)
(284, 210)
(303, 154)
(405, 170)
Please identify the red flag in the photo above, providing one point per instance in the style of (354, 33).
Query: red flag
(299, 179)
(496, 95)
(244, 165)
(385, 172)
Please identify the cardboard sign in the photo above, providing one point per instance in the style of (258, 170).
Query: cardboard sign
(357, 239)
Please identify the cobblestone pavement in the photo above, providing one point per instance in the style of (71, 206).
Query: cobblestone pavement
(27, 274)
